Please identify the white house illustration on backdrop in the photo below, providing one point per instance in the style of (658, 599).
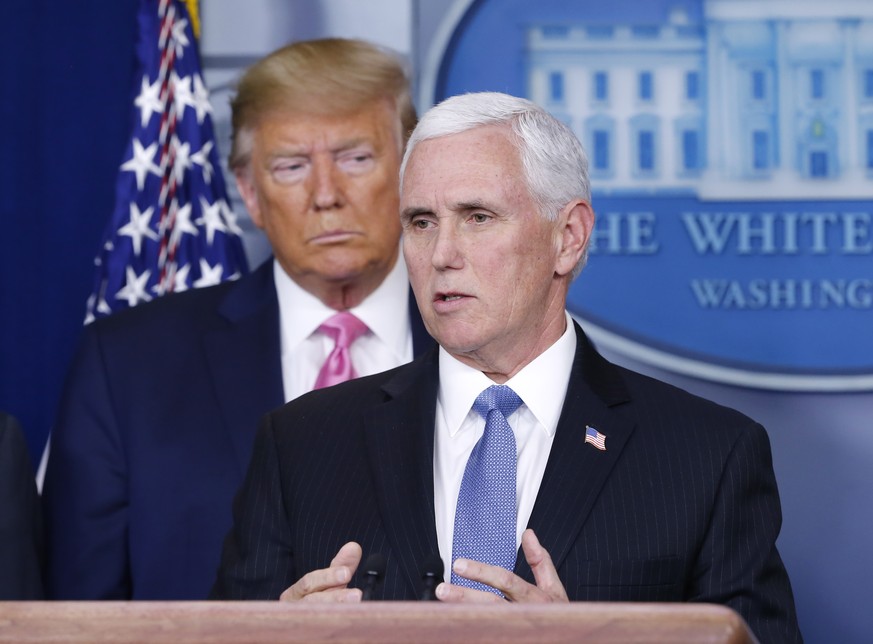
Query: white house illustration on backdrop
(771, 99)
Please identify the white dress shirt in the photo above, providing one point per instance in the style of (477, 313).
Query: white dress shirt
(542, 386)
(388, 343)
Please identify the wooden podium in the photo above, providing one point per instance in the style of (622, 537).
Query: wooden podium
(267, 622)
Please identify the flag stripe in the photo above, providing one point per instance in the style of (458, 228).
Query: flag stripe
(172, 227)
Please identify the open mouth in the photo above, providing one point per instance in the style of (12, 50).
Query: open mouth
(449, 297)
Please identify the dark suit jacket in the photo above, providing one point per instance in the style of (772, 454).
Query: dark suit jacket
(21, 538)
(682, 506)
(153, 436)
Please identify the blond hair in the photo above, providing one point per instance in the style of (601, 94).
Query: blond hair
(326, 76)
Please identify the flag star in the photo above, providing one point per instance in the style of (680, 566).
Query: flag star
(89, 309)
(230, 219)
(138, 227)
(209, 275)
(180, 38)
(134, 289)
(180, 279)
(142, 162)
(149, 100)
(182, 224)
(201, 158)
(200, 97)
(181, 158)
(211, 218)
(182, 93)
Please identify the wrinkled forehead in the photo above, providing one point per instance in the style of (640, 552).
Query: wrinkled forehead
(451, 156)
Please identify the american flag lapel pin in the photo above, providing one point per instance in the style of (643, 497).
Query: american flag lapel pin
(595, 438)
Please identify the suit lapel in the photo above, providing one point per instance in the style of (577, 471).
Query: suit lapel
(244, 358)
(576, 471)
(399, 437)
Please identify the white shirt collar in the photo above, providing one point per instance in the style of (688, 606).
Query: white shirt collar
(542, 384)
(379, 311)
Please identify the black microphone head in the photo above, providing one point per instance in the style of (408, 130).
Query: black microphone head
(375, 565)
(432, 567)
(431, 576)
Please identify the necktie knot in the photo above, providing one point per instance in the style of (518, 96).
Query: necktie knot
(344, 328)
(497, 397)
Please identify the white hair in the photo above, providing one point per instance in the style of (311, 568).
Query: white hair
(554, 162)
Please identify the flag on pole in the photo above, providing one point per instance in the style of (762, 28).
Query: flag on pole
(172, 227)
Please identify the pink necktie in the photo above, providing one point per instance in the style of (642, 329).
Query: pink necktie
(344, 328)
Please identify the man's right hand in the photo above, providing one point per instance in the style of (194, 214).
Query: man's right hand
(329, 584)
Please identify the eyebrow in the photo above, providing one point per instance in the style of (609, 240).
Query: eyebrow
(474, 204)
(304, 150)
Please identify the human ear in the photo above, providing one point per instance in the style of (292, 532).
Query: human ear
(246, 186)
(576, 224)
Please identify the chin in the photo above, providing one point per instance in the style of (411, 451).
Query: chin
(457, 345)
(343, 270)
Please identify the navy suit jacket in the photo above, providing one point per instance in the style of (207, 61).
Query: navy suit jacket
(21, 537)
(153, 437)
(682, 505)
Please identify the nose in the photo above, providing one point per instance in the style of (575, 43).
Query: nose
(446, 249)
(327, 193)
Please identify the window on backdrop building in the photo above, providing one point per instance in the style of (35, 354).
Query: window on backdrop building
(645, 88)
(816, 84)
(760, 150)
(601, 87)
(759, 85)
(692, 86)
(556, 87)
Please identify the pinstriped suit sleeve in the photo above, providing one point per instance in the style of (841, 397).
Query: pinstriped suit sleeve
(257, 561)
(738, 564)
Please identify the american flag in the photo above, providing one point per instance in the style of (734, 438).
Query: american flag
(172, 227)
(595, 438)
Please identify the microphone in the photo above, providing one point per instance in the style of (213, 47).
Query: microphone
(432, 575)
(374, 570)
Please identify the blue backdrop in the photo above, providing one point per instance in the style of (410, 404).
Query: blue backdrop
(66, 71)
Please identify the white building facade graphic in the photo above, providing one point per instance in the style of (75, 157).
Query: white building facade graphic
(763, 99)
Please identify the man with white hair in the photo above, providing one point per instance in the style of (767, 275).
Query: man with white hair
(514, 450)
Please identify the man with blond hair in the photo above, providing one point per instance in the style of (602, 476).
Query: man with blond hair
(157, 421)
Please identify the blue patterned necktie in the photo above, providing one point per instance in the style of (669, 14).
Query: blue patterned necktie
(485, 519)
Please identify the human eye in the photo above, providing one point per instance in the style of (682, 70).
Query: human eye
(480, 217)
(356, 161)
(289, 169)
(418, 221)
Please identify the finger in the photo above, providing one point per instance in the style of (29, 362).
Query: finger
(511, 585)
(452, 594)
(335, 596)
(540, 562)
(349, 556)
(333, 578)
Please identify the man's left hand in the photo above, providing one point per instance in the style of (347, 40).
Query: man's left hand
(548, 586)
